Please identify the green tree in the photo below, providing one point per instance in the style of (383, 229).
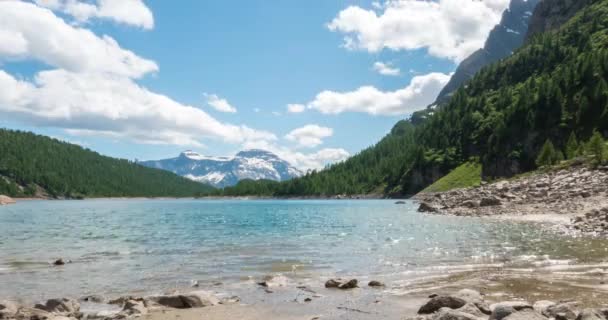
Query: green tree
(572, 146)
(597, 147)
(547, 155)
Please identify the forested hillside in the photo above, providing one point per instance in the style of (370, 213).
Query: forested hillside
(551, 89)
(32, 164)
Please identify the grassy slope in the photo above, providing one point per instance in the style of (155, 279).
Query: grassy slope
(464, 176)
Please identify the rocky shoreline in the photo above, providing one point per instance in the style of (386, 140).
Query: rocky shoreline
(577, 193)
(463, 304)
(4, 200)
(468, 304)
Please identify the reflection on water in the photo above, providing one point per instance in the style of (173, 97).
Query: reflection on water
(148, 245)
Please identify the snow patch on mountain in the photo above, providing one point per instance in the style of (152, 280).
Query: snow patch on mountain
(227, 171)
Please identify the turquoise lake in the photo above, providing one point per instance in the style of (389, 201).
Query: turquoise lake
(142, 246)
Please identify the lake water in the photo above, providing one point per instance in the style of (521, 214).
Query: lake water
(145, 246)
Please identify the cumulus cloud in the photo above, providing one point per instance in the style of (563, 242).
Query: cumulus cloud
(219, 104)
(32, 32)
(386, 69)
(90, 88)
(451, 29)
(421, 91)
(301, 160)
(102, 103)
(310, 135)
(131, 12)
(295, 108)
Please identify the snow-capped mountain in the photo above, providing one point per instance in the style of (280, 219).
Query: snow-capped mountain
(228, 171)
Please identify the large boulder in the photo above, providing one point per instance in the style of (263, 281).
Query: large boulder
(4, 200)
(439, 302)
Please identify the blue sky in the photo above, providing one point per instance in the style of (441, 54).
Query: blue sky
(254, 57)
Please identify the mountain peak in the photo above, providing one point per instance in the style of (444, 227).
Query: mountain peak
(254, 164)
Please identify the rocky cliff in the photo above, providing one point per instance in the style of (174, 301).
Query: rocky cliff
(506, 37)
(551, 14)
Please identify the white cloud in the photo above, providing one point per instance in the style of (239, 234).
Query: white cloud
(131, 12)
(109, 104)
(89, 88)
(386, 69)
(219, 104)
(417, 95)
(276, 113)
(303, 161)
(256, 110)
(451, 29)
(295, 108)
(33, 32)
(310, 135)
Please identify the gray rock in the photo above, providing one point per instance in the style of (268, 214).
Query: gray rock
(472, 309)
(501, 312)
(590, 314)
(200, 299)
(451, 314)
(342, 284)
(439, 302)
(59, 262)
(351, 284)
(528, 314)
(425, 207)
(504, 309)
(566, 311)
(541, 306)
(375, 283)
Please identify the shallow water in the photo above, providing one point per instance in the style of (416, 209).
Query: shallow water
(146, 246)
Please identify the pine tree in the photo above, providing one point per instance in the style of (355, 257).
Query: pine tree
(572, 146)
(547, 155)
(597, 148)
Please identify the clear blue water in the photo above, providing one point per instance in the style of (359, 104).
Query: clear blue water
(133, 246)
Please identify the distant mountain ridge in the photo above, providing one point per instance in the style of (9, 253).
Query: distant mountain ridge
(505, 38)
(222, 172)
